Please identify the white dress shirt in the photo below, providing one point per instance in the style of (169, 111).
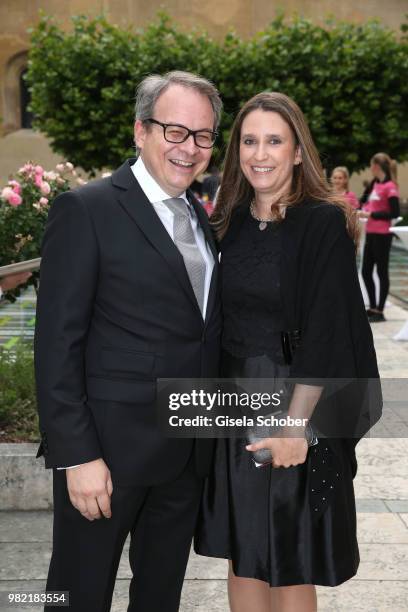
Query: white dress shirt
(156, 195)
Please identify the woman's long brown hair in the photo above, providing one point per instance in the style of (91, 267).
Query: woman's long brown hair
(308, 183)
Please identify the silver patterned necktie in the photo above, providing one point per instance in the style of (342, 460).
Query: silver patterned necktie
(185, 241)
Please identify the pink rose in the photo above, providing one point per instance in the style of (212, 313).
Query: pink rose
(60, 180)
(43, 201)
(39, 170)
(69, 166)
(15, 186)
(38, 180)
(45, 188)
(28, 168)
(15, 199)
(6, 193)
(60, 167)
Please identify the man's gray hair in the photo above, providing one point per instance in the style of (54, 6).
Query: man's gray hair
(151, 88)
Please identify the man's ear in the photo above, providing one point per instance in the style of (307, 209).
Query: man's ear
(140, 133)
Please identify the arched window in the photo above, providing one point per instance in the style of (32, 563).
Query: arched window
(16, 95)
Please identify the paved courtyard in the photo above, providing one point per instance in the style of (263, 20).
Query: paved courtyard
(381, 486)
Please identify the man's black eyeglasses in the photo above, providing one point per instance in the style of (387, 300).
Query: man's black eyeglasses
(175, 133)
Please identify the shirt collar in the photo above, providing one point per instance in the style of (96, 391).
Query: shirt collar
(149, 185)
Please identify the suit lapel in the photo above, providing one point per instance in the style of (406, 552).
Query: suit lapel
(134, 201)
(203, 220)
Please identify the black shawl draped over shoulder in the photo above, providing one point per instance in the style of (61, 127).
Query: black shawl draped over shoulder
(321, 297)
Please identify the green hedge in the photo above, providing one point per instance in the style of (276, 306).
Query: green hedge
(351, 81)
(18, 412)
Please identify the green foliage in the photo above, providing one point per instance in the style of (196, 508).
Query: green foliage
(18, 413)
(350, 80)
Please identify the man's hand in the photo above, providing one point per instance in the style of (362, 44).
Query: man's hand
(90, 489)
(285, 451)
(7, 283)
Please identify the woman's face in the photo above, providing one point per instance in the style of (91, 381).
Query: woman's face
(375, 170)
(339, 180)
(268, 153)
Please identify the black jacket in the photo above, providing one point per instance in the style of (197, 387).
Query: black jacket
(116, 311)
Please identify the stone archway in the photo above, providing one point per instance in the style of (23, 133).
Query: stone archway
(15, 94)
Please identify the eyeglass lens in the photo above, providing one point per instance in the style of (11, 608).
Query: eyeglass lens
(177, 134)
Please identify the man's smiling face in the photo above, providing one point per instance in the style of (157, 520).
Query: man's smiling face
(175, 166)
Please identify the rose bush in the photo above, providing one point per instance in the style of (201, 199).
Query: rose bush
(24, 205)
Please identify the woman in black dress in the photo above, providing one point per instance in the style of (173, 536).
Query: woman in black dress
(288, 271)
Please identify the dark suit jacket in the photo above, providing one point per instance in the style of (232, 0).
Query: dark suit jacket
(116, 311)
(321, 297)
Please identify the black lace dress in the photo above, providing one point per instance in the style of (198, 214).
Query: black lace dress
(275, 524)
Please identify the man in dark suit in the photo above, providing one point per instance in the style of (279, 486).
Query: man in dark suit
(129, 294)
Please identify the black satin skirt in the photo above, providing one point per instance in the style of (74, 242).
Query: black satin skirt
(265, 519)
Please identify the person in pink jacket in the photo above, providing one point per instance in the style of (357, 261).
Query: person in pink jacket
(380, 205)
(340, 178)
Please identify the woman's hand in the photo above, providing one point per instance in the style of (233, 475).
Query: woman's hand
(286, 452)
(291, 448)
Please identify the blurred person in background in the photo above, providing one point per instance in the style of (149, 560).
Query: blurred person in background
(211, 184)
(380, 205)
(340, 179)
